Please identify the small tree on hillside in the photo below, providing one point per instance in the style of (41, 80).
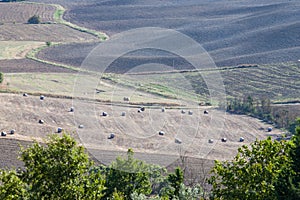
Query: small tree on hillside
(35, 19)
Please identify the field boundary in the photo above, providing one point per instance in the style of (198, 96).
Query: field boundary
(58, 18)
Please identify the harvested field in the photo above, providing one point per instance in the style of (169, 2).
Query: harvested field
(42, 32)
(23, 11)
(29, 66)
(135, 130)
(17, 49)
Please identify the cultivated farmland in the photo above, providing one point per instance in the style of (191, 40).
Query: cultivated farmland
(23, 11)
(233, 33)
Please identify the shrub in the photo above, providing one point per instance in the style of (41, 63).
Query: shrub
(35, 19)
(1, 77)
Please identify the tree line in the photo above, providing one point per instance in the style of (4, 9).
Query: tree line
(263, 109)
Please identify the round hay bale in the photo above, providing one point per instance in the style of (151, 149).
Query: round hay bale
(12, 131)
(41, 121)
(269, 129)
(59, 130)
(42, 97)
(205, 112)
(190, 112)
(242, 139)
(178, 141)
(123, 114)
(111, 136)
(161, 133)
(104, 114)
(80, 126)
(139, 111)
(3, 133)
(72, 109)
(126, 99)
(163, 109)
(210, 141)
(142, 109)
(224, 139)
(183, 111)
(25, 95)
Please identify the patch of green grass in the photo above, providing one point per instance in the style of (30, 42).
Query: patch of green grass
(58, 17)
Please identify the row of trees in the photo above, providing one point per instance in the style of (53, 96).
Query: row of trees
(262, 109)
(60, 169)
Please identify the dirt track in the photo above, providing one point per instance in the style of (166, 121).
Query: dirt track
(135, 130)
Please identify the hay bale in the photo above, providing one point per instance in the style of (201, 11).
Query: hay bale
(161, 133)
(25, 95)
(41, 121)
(190, 112)
(126, 99)
(163, 109)
(42, 97)
(59, 130)
(3, 133)
(142, 109)
(104, 114)
(178, 141)
(80, 126)
(182, 111)
(123, 114)
(210, 141)
(242, 139)
(205, 112)
(111, 136)
(72, 109)
(224, 139)
(269, 129)
(12, 131)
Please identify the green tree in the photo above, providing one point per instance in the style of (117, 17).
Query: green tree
(295, 154)
(11, 186)
(175, 181)
(255, 172)
(128, 176)
(1, 77)
(35, 19)
(59, 169)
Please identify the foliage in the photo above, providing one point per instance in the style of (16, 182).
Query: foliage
(11, 186)
(175, 180)
(35, 19)
(58, 170)
(48, 43)
(128, 176)
(1, 77)
(295, 154)
(255, 173)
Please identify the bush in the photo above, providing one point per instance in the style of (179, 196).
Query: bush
(35, 19)
(1, 77)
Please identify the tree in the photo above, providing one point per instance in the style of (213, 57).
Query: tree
(60, 169)
(1, 77)
(128, 176)
(175, 181)
(11, 186)
(255, 173)
(35, 19)
(295, 154)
